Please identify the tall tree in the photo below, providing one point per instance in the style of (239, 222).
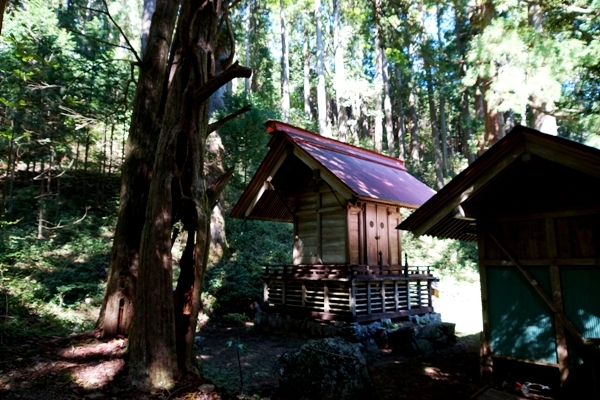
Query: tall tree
(306, 67)
(340, 75)
(542, 112)
(149, 7)
(460, 32)
(378, 134)
(441, 93)
(117, 309)
(401, 120)
(285, 66)
(387, 107)
(321, 95)
(161, 338)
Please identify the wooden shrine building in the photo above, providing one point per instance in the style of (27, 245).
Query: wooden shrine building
(345, 203)
(532, 203)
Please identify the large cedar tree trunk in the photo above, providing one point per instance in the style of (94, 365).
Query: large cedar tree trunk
(161, 337)
(117, 309)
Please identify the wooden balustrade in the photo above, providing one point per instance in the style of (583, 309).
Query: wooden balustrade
(349, 292)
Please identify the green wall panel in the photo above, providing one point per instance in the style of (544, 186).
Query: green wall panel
(521, 324)
(581, 298)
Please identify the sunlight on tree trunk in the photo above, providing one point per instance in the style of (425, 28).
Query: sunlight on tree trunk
(117, 308)
(321, 96)
(285, 66)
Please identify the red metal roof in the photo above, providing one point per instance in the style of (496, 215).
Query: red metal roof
(366, 173)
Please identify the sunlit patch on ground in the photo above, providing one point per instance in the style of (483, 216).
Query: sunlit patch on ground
(435, 373)
(98, 375)
(95, 348)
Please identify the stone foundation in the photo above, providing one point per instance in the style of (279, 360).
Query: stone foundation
(420, 335)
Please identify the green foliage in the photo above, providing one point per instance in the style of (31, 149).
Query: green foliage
(447, 257)
(235, 281)
(53, 285)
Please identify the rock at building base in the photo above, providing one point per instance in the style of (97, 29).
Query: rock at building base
(324, 369)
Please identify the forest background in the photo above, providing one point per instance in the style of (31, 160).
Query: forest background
(435, 83)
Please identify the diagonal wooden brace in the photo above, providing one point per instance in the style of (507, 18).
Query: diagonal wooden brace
(547, 299)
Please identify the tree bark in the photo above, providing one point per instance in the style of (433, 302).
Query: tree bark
(3, 4)
(117, 308)
(437, 156)
(467, 130)
(440, 70)
(285, 66)
(321, 96)
(149, 7)
(342, 115)
(306, 70)
(541, 111)
(444, 132)
(401, 123)
(164, 323)
(387, 107)
(378, 133)
(414, 128)
(247, 45)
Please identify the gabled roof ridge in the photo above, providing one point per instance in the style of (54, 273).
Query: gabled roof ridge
(351, 150)
(519, 140)
(340, 151)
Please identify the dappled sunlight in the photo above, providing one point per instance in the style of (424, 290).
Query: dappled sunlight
(369, 174)
(95, 349)
(435, 373)
(98, 375)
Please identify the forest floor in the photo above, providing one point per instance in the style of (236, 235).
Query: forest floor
(86, 368)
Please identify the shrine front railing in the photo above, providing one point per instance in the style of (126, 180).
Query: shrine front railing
(349, 292)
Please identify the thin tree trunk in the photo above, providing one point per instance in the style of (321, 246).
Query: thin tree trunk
(387, 107)
(467, 131)
(342, 115)
(414, 129)
(247, 43)
(321, 96)
(306, 70)
(3, 4)
(85, 161)
(378, 134)
(401, 125)
(437, 156)
(444, 132)
(112, 135)
(10, 166)
(443, 126)
(40, 233)
(285, 66)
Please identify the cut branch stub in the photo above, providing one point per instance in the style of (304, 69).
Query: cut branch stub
(215, 82)
(214, 191)
(218, 124)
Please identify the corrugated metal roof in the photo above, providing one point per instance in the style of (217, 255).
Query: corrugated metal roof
(357, 172)
(440, 217)
(366, 173)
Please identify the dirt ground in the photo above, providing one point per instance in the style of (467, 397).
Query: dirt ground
(78, 368)
(449, 374)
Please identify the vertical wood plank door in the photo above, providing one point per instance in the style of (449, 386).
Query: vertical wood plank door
(354, 237)
(371, 233)
(394, 235)
(382, 233)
